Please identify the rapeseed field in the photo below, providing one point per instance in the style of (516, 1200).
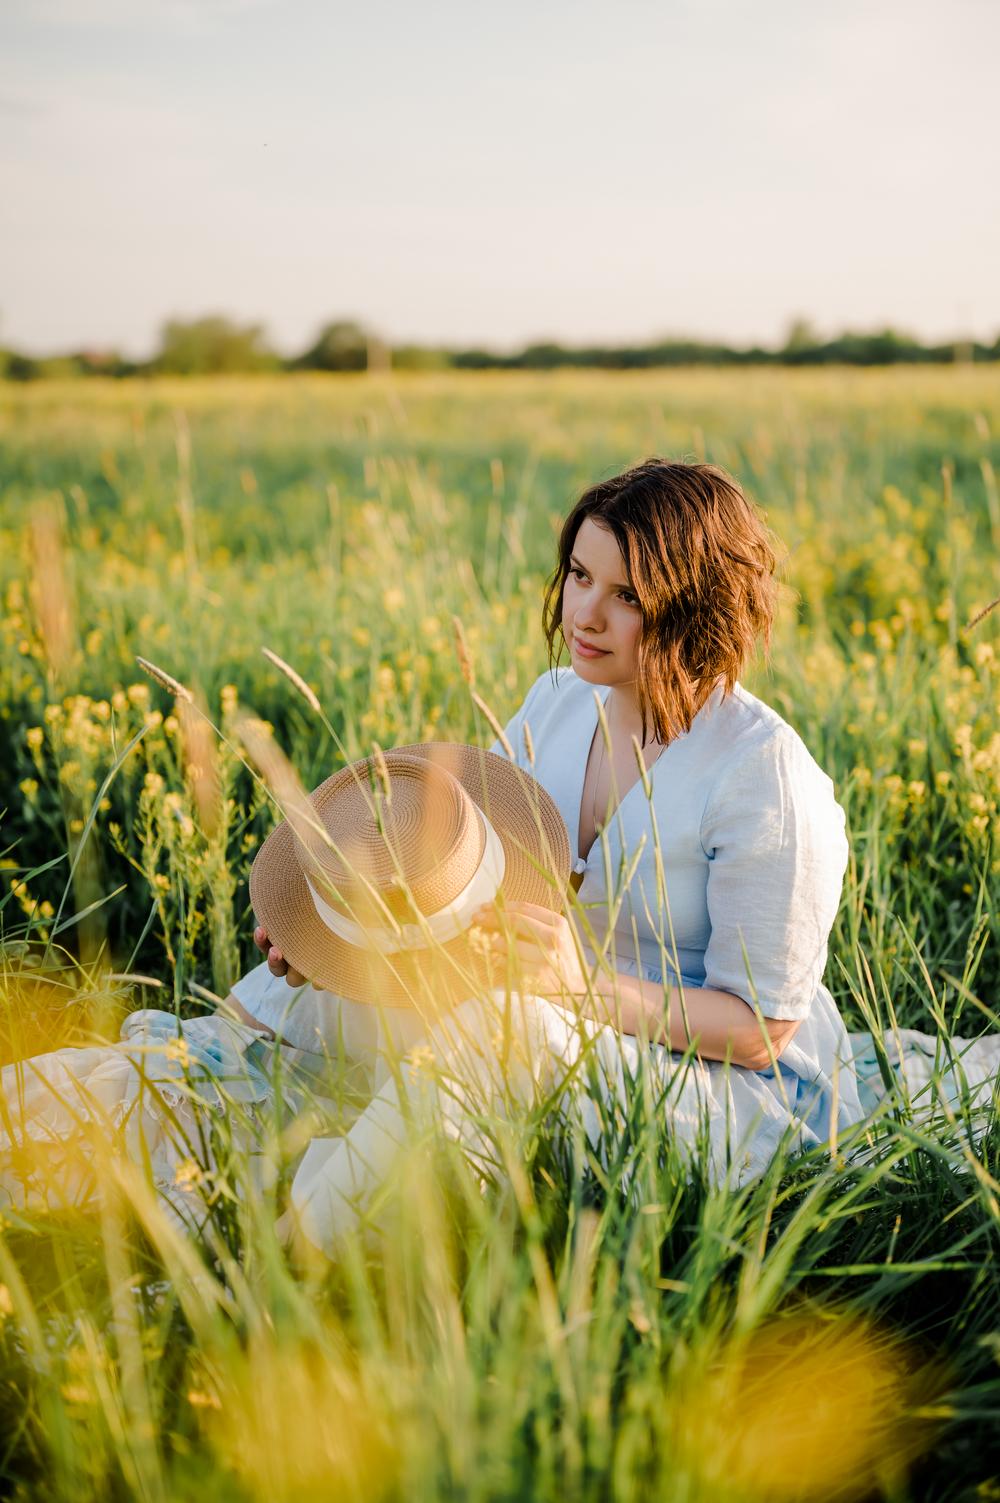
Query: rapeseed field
(830, 1331)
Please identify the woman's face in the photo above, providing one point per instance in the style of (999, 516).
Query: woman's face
(599, 609)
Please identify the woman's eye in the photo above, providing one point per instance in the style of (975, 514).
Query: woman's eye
(629, 598)
(578, 574)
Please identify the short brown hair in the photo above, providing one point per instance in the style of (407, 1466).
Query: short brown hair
(701, 564)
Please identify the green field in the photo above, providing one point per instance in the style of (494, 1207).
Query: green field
(832, 1331)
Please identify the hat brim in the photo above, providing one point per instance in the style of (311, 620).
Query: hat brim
(536, 850)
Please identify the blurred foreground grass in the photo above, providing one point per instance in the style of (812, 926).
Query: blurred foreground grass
(832, 1331)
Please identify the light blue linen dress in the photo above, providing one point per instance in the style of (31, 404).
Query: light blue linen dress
(747, 834)
(753, 851)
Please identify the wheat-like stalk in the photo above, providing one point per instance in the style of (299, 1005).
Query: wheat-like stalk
(981, 615)
(464, 655)
(382, 771)
(494, 724)
(529, 744)
(294, 678)
(165, 680)
(53, 594)
(201, 763)
(284, 783)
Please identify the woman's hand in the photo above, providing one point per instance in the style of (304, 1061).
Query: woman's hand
(276, 962)
(545, 944)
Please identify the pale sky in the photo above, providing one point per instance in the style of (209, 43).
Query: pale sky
(466, 172)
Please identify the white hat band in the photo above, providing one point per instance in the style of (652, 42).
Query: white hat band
(435, 928)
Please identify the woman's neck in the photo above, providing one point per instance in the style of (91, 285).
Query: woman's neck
(624, 716)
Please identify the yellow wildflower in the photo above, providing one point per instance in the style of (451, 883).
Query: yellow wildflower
(188, 1175)
(199, 1400)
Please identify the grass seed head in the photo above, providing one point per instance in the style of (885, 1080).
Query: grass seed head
(494, 724)
(52, 593)
(294, 678)
(166, 680)
(464, 655)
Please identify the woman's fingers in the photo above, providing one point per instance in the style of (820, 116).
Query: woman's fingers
(535, 911)
(521, 918)
(276, 962)
(278, 966)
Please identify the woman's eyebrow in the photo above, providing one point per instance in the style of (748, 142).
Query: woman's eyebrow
(580, 565)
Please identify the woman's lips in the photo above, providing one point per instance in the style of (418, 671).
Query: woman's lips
(586, 651)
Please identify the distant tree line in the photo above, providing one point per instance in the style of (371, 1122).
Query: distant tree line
(218, 346)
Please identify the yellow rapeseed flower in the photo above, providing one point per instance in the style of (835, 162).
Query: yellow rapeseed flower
(188, 1175)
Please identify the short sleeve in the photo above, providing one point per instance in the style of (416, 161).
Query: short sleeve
(260, 987)
(307, 1018)
(774, 835)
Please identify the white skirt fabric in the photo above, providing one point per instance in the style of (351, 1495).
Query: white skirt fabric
(156, 1094)
(488, 1055)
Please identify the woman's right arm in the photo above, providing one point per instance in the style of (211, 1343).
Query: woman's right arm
(234, 1005)
(276, 998)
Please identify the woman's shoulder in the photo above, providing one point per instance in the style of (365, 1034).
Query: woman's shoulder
(543, 702)
(753, 739)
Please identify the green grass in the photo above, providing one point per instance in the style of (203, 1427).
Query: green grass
(831, 1327)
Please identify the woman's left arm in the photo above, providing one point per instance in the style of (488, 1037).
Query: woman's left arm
(721, 1025)
(774, 836)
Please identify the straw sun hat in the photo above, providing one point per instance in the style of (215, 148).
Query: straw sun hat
(368, 887)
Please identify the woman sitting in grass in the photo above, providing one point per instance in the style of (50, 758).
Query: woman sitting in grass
(708, 848)
(635, 885)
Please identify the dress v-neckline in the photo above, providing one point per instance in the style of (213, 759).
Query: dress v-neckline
(580, 862)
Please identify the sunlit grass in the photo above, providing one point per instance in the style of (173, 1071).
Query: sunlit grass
(587, 1321)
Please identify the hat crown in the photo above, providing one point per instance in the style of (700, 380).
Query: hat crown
(510, 808)
(400, 831)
